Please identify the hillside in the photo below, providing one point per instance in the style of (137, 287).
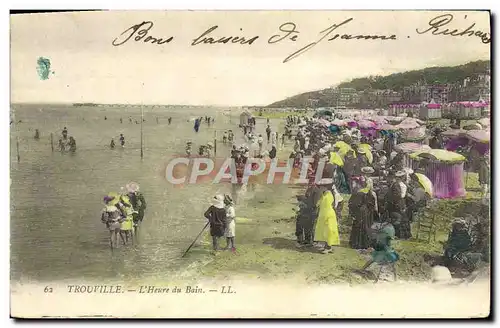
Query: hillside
(397, 81)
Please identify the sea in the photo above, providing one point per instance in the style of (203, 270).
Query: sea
(56, 198)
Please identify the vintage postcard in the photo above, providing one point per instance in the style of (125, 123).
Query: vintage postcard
(250, 164)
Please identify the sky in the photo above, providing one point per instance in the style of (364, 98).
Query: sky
(88, 68)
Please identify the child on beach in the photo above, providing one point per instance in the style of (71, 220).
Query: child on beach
(231, 225)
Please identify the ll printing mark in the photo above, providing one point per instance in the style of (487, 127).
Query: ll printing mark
(43, 68)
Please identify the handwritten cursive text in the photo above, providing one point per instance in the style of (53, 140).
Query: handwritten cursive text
(291, 33)
(140, 30)
(205, 39)
(436, 28)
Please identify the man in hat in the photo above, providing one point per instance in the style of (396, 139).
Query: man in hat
(216, 216)
(396, 203)
(361, 160)
(350, 162)
(381, 160)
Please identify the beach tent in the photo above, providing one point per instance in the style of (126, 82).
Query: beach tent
(444, 168)
(244, 117)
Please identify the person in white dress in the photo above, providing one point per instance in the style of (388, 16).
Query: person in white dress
(231, 224)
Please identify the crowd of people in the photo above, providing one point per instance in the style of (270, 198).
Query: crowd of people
(123, 213)
(353, 163)
(65, 144)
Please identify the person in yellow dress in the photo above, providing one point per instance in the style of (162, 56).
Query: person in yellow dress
(326, 230)
(127, 226)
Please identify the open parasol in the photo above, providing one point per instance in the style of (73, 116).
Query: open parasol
(366, 124)
(482, 136)
(426, 183)
(410, 147)
(484, 122)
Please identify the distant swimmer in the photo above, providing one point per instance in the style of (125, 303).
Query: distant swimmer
(122, 140)
(121, 120)
(157, 120)
(189, 148)
(112, 144)
(105, 118)
(37, 134)
(169, 120)
(72, 144)
(130, 119)
(197, 125)
(65, 133)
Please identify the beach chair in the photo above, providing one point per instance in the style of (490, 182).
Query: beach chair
(426, 227)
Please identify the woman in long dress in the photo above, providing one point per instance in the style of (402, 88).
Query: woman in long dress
(365, 207)
(396, 206)
(327, 230)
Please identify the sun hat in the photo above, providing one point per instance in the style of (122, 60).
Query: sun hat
(400, 174)
(132, 187)
(218, 201)
(114, 198)
(367, 170)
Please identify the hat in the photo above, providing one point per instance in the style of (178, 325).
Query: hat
(107, 199)
(367, 170)
(325, 181)
(132, 187)
(400, 174)
(408, 170)
(321, 151)
(218, 201)
(113, 198)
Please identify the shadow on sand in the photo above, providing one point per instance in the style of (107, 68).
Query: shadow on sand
(284, 243)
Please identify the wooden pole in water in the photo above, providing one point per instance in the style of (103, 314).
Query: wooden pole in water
(215, 142)
(52, 141)
(142, 121)
(17, 146)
